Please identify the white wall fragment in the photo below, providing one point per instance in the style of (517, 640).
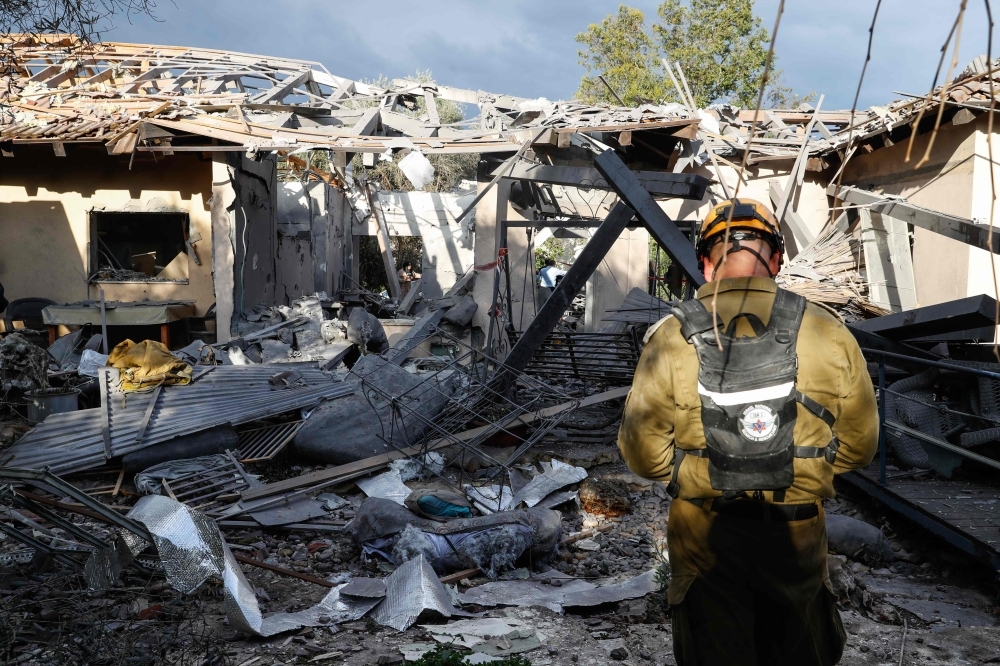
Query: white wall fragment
(418, 169)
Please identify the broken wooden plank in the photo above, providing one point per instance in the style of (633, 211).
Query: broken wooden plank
(384, 244)
(411, 297)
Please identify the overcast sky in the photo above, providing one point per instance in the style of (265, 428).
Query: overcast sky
(527, 47)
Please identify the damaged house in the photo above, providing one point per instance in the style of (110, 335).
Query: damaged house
(380, 446)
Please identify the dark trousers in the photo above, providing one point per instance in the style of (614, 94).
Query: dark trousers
(750, 593)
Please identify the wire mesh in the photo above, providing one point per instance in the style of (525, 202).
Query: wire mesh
(485, 404)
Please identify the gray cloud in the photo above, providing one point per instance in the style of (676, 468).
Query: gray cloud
(527, 48)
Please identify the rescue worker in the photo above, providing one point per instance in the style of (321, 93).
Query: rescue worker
(548, 278)
(406, 276)
(748, 440)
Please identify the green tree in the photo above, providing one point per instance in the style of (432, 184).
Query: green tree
(622, 50)
(720, 44)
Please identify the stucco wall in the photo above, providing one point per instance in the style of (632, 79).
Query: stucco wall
(944, 184)
(44, 219)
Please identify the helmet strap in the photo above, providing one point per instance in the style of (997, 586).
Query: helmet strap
(739, 248)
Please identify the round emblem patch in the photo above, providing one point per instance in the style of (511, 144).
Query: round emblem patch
(758, 423)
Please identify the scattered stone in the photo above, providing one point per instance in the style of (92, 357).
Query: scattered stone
(619, 654)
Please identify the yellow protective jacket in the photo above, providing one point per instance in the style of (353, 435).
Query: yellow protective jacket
(663, 409)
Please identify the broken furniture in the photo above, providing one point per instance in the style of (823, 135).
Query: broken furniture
(142, 313)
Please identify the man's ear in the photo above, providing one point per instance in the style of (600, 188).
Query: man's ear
(774, 263)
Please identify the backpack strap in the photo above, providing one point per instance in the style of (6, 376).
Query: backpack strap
(786, 315)
(830, 450)
(674, 488)
(695, 319)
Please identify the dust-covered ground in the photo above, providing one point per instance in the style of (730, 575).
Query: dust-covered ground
(47, 616)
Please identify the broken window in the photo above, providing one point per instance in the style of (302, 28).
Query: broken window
(138, 247)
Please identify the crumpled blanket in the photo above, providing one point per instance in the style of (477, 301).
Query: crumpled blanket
(146, 364)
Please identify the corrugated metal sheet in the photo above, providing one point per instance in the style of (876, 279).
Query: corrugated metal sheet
(227, 394)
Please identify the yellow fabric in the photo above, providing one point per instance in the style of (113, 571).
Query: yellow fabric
(663, 408)
(146, 364)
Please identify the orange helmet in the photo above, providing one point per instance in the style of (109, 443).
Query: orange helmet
(751, 220)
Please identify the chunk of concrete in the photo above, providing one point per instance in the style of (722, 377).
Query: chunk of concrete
(365, 330)
(462, 313)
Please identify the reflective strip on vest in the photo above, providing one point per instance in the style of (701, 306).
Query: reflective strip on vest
(743, 397)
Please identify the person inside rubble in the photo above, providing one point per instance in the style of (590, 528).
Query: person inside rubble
(548, 278)
(747, 414)
(406, 276)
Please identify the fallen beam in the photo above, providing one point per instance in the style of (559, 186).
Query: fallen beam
(963, 314)
(663, 229)
(660, 183)
(553, 309)
(956, 228)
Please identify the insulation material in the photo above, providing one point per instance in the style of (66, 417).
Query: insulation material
(556, 476)
(412, 590)
(149, 363)
(633, 588)
(524, 593)
(489, 499)
(91, 362)
(409, 469)
(387, 486)
(492, 551)
(417, 169)
(192, 550)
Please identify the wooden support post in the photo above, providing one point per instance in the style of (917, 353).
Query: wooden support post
(165, 335)
(382, 233)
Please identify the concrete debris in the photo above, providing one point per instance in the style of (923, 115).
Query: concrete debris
(23, 366)
(490, 636)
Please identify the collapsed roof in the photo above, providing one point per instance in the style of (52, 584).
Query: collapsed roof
(142, 97)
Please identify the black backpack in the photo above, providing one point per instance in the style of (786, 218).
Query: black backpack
(748, 398)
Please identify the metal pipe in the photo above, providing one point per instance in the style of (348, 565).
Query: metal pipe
(935, 364)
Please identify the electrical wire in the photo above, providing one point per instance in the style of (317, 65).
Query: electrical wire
(993, 186)
(743, 166)
(848, 150)
(930, 94)
(944, 89)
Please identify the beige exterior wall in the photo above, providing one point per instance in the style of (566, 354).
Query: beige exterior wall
(946, 183)
(980, 272)
(810, 200)
(45, 203)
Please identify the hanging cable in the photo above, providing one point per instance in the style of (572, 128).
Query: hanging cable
(848, 151)
(743, 166)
